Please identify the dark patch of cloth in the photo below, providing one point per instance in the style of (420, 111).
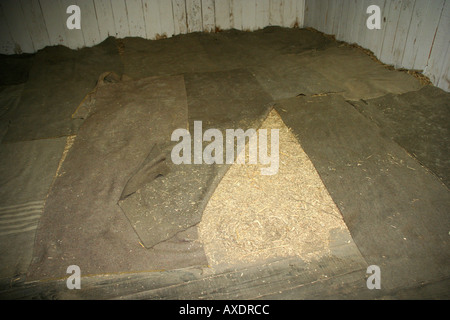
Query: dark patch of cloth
(174, 202)
(419, 122)
(396, 210)
(58, 81)
(82, 223)
(27, 170)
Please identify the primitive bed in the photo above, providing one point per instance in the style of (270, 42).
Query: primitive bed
(86, 176)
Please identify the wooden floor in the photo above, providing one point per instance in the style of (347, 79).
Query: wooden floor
(288, 279)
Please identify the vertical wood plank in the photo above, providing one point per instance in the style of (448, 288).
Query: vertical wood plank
(6, 42)
(105, 18)
(89, 23)
(301, 13)
(319, 17)
(18, 29)
(166, 18)
(74, 38)
(439, 51)
(208, 16)
(120, 18)
(313, 14)
(312, 19)
(276, 17)
(364, 33)
(350, 21)
(417, 21)
(261, 13)
(194, 15)
(151, 18)
(444, 78)
(329, 16)
(324, 20)
(289, 13)
(337, 11)
(384, 27)
(426, 34)
(55, 21)
(407, 7)
(309, 7)
(136, 20)
(236, 14)
(222, 11)
(393, 16)
(179, 16)
(35, 23)
(359, 22)
(249, 15)
(343, 20)
(374, 38)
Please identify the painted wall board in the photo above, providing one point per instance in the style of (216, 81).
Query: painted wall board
(439, 53)
(208, 15)
(74, 37)
(373, 39)
(329, 16)
(151, 17)
(35, 23)
(415, 28)
(236, 14)
(320, 14)
(194, 15)
(289, 13)
(357, 33)
(343, 19)
(276, 13)
(54, 15)
(301, 13)
(136, 22)
(262, 13)
(335, 18)
(6, 41)
(89, 23)
(401, 34)
(350, 25)
(179, 16)
(249, 15)
(426, 33)
(19, 32)
(18, 29)
(119, 10)
(105, 18)
(166, 18)
(222, 11)
(444, 78)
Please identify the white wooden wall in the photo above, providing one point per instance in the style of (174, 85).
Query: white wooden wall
(29, 25)
(415, 34)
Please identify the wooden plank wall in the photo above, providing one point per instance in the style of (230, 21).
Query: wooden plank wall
(414, 34)
(29, 25)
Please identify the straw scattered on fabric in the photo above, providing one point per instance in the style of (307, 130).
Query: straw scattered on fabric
(252, 217)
